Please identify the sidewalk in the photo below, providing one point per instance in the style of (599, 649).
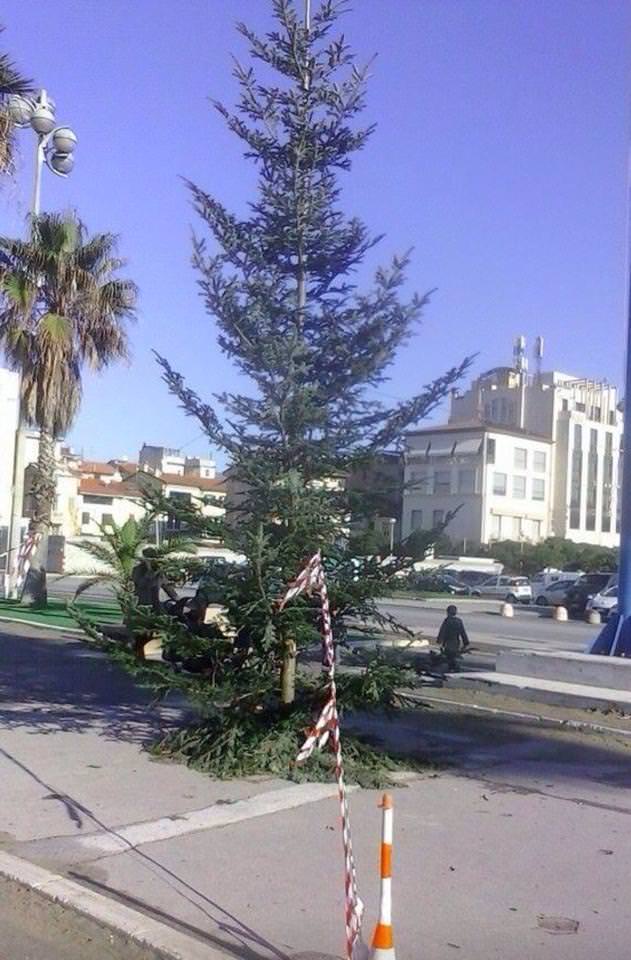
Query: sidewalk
(525, 836)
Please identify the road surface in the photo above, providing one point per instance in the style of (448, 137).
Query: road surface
(32, 928)
(532, 628)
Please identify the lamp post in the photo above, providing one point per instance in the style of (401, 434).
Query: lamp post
(615, 637)
(54, 148)
(392, 522)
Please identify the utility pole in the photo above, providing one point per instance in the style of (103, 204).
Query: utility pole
(615, 637)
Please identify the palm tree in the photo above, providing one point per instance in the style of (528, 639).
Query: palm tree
(62, 307)
(120, 548)
(11, 83)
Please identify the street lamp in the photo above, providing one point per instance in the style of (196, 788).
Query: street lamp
(392, 522)
(54, 147)
(55, 144)
(615, 637)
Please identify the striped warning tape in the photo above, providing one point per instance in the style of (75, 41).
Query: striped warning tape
(327, 728)
(23, 563)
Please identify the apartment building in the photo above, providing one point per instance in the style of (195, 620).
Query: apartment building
(522, 457)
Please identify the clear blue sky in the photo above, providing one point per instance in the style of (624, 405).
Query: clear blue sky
(500, 156)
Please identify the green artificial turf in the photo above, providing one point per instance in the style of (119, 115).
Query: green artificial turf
(55, 614)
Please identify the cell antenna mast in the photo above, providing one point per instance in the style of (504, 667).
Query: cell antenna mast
(307, 14)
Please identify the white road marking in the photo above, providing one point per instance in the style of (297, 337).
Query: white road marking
(208, 818)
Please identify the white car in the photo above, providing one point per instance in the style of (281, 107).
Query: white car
(554, 593)
(604, 602)
(511, 589)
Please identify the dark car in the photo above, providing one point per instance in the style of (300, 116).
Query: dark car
(439, 583)
(584, 589)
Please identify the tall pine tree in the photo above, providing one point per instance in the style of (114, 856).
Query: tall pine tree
(281, 286)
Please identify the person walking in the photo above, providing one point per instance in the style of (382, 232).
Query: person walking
(452, 637)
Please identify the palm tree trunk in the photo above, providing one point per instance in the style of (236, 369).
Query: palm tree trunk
(42, 498)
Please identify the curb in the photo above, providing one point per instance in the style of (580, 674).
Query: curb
(42, 626)
(167, 942)
(517, 715)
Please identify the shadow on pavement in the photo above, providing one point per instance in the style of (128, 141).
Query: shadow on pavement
(56, 685)
(222, 918)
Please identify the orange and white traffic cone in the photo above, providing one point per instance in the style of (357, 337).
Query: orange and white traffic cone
(382, 941)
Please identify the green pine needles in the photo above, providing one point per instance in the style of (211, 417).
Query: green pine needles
(312, 348)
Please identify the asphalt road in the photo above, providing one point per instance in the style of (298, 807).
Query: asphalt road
(532, 628)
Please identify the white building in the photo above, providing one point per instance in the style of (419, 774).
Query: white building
(521, 457)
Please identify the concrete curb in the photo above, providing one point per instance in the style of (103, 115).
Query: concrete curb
(167, 942)
(42, 626)
(518, 715)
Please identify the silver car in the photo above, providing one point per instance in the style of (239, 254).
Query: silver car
(503, 587)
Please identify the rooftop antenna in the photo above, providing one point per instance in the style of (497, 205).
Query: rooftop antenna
(539, 344)
(520, 360)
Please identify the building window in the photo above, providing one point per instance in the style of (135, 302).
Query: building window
(519, 488)
(565, 405)
(416, 519)
(517, 528)
(85, 519)
(539, 461)
(496, 527)
(99, 501)
(605, 522)
(576, 481)
(499, 484)
(107, 520)
(592, 481)
(521, 458)
(466, 481)
(438, 518)
(490, 450)
(538, 489)
(419, 481)
(535, 530)
(442, 481)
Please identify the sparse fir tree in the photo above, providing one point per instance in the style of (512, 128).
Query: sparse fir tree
(281, 285)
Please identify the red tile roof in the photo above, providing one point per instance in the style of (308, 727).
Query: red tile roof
(124, 466)
(96, 466)
(96, 487)
(209, 484)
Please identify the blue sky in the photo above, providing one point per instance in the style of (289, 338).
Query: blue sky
(500, 156)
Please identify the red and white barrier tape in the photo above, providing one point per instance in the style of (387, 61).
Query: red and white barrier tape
(312, 580)
(26, 551)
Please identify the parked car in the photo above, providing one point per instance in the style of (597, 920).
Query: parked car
(554, 593)
(439, 583)
(511, 589)
(549, 578)
(584, 589)
(605, 602)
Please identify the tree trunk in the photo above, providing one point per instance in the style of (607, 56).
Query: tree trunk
(42, 499)
(288, 672)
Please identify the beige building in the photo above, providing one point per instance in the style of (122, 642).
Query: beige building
(522, 457)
